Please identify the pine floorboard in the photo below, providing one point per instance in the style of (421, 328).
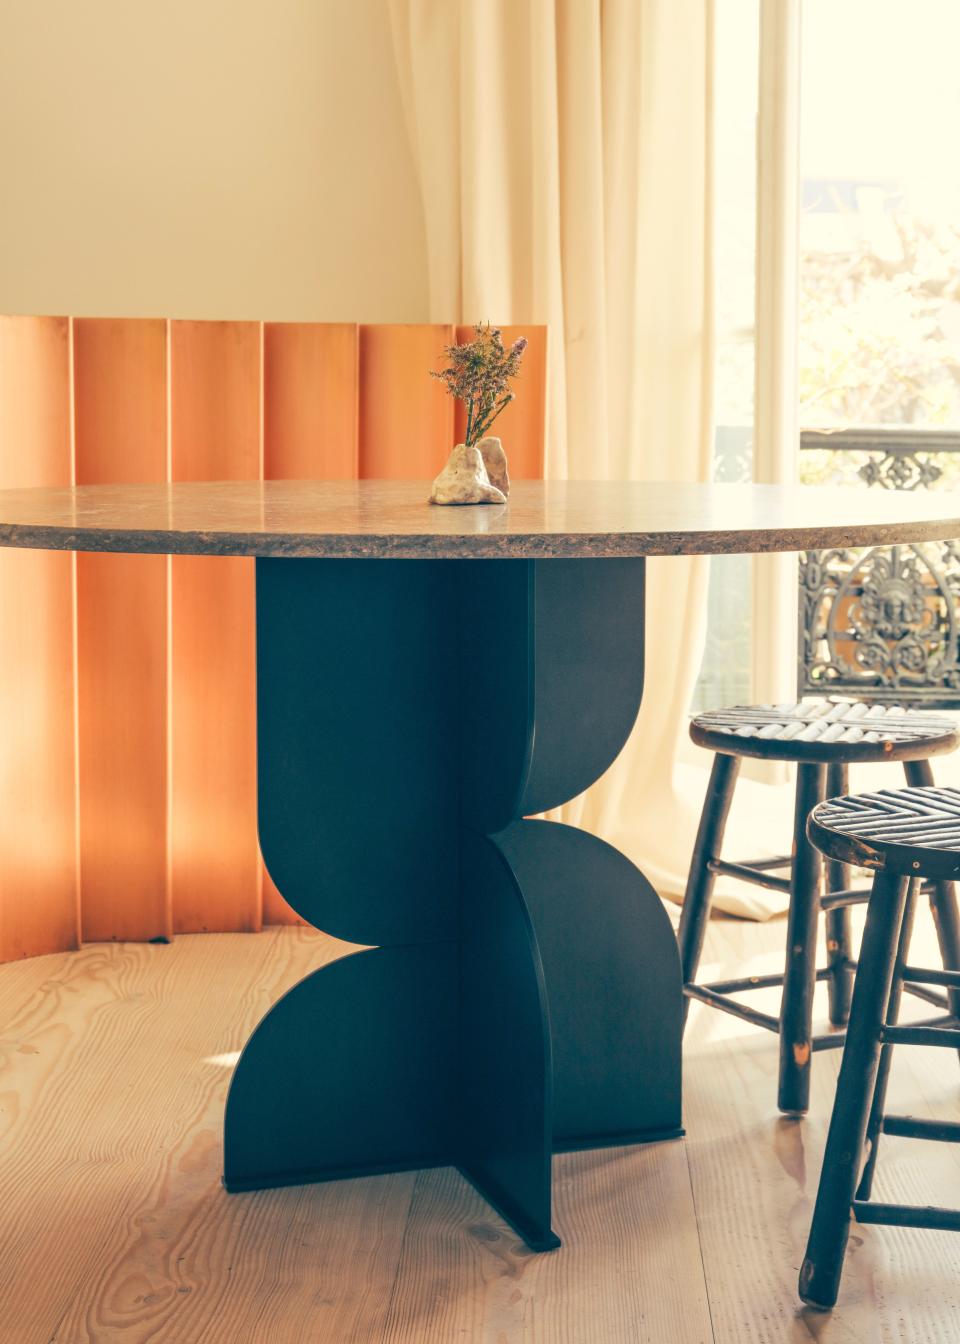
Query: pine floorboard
(114, 1064)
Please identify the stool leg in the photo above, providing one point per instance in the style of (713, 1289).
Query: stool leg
(823, 1262)
(886, 1054)
(838, 921)
(943, 897)
(699, 893)
(796, 1009)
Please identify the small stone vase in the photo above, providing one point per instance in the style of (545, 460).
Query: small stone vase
(474, 475)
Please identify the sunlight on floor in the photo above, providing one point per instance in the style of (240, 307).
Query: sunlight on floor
(225, 1061)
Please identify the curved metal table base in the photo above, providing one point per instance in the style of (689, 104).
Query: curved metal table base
(524, 991)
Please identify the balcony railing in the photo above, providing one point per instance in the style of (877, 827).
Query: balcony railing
(884, 622)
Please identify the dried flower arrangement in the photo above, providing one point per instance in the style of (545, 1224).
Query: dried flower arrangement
(478, 374)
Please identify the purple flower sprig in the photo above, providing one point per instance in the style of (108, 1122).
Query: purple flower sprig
(478, 374)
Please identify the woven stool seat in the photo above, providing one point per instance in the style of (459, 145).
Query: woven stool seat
(826, 731)
(904, 831)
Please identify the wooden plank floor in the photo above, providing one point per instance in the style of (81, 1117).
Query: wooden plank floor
(114, 1064)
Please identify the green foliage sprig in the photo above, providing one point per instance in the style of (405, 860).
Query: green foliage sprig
(478, 374)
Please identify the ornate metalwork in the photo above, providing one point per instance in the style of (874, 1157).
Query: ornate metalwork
(901, 471)
(884, 622)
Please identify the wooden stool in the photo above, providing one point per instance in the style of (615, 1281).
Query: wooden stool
(903, 835)
(823, 738)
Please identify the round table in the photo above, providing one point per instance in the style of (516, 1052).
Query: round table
(521, 992)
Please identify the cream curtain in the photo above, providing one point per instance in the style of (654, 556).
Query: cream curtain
(564, 155)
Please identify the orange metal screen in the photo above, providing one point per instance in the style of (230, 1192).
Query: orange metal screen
(128, 752)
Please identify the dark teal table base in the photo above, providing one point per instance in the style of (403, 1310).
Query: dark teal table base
(524, 992)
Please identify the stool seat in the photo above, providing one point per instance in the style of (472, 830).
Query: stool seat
(903, 831)
(826, 731)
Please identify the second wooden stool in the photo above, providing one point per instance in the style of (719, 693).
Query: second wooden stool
(823, 738)
(903, 835)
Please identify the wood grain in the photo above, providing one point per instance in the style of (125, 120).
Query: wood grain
(144, 1203)
(406, 417)
(120, 407)
(39, 905)
(464, 1275)
(215, 400)
(117, 1198)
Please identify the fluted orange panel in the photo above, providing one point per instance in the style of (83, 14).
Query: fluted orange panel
(310, 413)
(310, 402)
(153, 659)
(39, 905)
(215, 435)
(120, 408)
(406, 417)
(521, 426)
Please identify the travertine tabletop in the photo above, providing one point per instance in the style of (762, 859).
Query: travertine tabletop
(393, 519)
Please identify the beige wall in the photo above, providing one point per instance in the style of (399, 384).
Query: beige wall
(206, 158)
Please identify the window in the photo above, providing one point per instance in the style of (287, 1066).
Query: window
(880, 332)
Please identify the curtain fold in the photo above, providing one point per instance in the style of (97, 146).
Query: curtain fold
(564, 156)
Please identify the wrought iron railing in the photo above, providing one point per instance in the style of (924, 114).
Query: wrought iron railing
(883, 622)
